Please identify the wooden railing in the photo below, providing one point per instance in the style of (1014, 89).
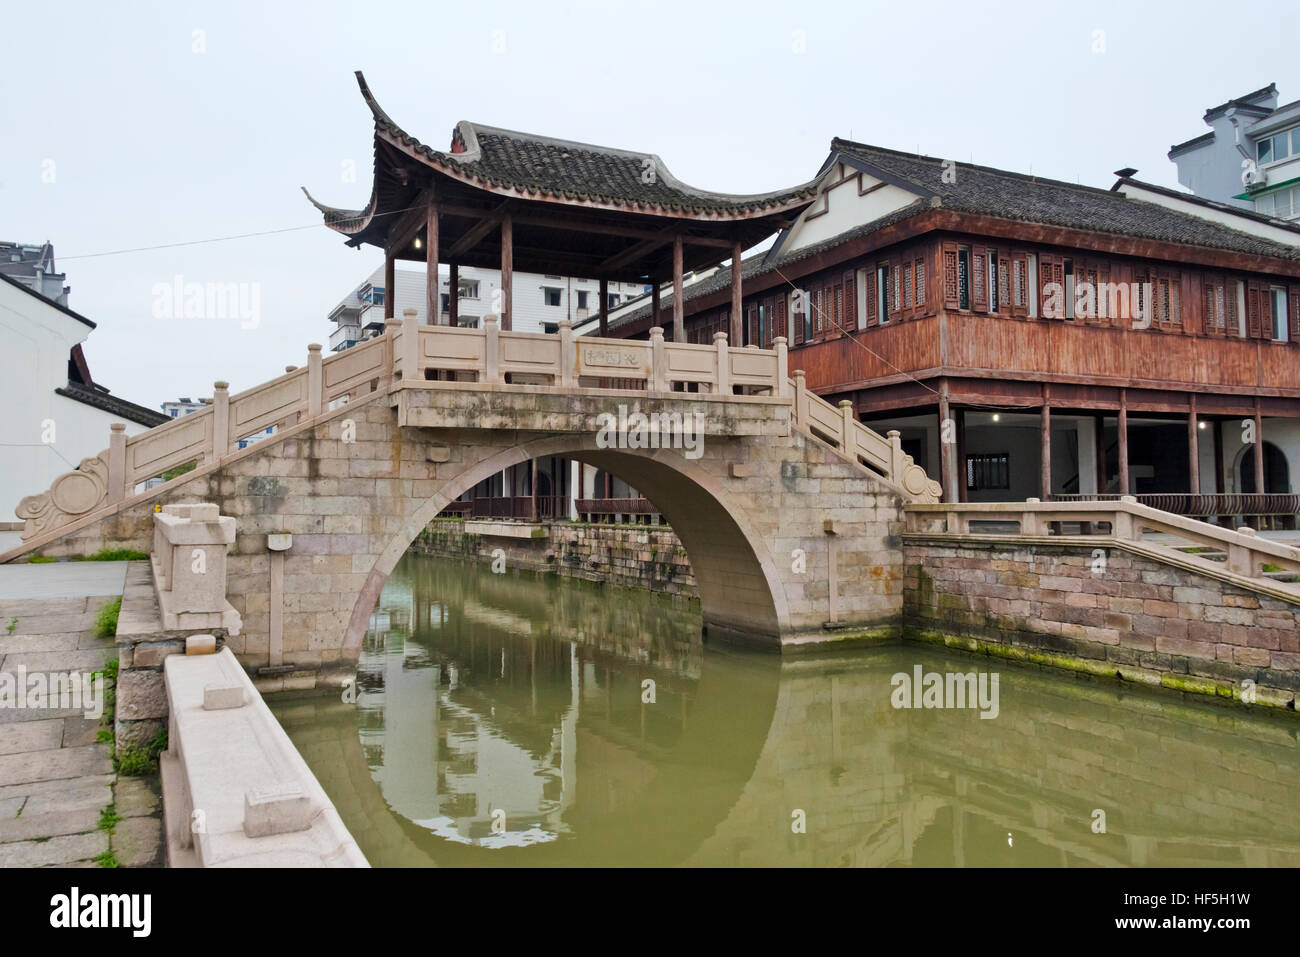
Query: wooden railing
(615, 506)
(1126, 521)
(407, 353)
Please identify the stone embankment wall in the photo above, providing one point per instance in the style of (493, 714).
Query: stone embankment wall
(633, 556)
(1124, 616)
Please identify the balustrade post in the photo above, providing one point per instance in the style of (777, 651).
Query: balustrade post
(800, 398)
(116, 462)
(1242, 559)
(722, 382)
(1029, 524)
(782, 367)
(392, 329)
(568, 356)
(896, 459)
(410, 345)
(220, 420)
(315, 381)
(658, 361)
(849, 439)
(491, 350)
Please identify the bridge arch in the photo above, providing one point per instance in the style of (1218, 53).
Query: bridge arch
(742, 592)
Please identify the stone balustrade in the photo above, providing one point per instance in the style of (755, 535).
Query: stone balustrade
(407, 354)
(236, 793)
(189, 568)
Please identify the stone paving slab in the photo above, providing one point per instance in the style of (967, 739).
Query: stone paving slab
(57, 850)
(88, 659)
(138, 842)
(45, 797)
(23, 607)
(19, 715)
(31, 583)
(31, 736)
(54, 764)
(49, 624)
(50, 824)
(28, 644)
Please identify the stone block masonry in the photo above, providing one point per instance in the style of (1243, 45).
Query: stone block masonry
(1132, 618)
(632, 556)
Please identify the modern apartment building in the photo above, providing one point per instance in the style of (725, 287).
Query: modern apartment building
(540, 301)
(33, 266)
(1250, 158)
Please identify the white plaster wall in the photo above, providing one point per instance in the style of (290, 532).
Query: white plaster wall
(845, 209)
(1284, 433)
(33, 363)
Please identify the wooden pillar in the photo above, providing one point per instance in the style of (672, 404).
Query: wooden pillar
(390, 281)
(1099, 436)
(959, 420)
(604, 307)
(1216, 429)
(679, 310)
(1122, 442)
(1259, 448)
(736, 336)
(431, 264)
(1045, 454)
(507, 270)
(533, 490)
(947, 450)
(453, 295)
(654, 302)
(1193, 448)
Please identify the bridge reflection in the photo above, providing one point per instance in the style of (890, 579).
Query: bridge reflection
(484, 693)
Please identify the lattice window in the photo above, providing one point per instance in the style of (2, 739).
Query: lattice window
(919, 276)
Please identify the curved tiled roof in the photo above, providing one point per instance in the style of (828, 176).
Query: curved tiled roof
(555, 170)
(1033, 199)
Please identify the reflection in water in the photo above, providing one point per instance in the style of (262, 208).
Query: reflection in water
(504, 720)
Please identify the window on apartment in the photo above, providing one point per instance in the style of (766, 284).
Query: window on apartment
(1277, 296)
(1282, 203)
(614, 300)
(1273, 148)
(444, 302)
(552, 295)
(469, 290)
(582, 299)
(988, 470)
(882, 293)
(963, 277)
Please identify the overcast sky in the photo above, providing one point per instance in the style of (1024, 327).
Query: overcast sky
(173, 122)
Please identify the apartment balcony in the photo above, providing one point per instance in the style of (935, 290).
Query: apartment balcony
(343, 337)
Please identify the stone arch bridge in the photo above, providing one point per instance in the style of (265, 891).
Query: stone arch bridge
(791, 511)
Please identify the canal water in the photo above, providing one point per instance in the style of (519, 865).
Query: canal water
(521, 721)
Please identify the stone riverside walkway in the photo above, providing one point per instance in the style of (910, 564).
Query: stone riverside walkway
(55, 777)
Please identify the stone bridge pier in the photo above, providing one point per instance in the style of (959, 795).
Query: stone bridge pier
(791, 544)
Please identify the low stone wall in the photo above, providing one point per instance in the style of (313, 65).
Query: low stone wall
(633, 556)
(1107, 612)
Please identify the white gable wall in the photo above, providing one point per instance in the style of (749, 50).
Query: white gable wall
(844, 206)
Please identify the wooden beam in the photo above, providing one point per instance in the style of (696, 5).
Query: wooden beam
(578, 225)
(1122, 442)
(477, 232)
(409, 223)
(947, 450)
(507, 270)
(1259, 448)
(453, 295)
(679, 322)
(390, 281)
(431, 262)
(734, 336)
(1045, 456)
(604, 307)
(1099, 437)
(654, 302)
(637, 251)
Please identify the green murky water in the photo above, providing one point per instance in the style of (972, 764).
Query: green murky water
(502, 720)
